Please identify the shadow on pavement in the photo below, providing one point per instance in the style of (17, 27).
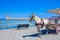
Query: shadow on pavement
(42, 31)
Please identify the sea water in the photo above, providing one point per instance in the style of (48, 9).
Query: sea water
(6, 24)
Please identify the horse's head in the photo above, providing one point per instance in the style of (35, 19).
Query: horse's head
(31, 17)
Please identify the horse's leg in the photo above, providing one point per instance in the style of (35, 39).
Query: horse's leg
(47, 28)
(18, 27)
(39, 31)
(56, 30)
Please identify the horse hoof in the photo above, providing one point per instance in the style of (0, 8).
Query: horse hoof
(46, 33)
(56, 33)
(39, 36)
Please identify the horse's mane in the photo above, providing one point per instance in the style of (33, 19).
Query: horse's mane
(37, 19)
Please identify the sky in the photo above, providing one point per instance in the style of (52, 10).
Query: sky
(24, 8)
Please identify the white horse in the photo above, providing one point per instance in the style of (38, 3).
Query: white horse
(40, 23)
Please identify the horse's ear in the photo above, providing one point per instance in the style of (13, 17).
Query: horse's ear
(32, 14)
